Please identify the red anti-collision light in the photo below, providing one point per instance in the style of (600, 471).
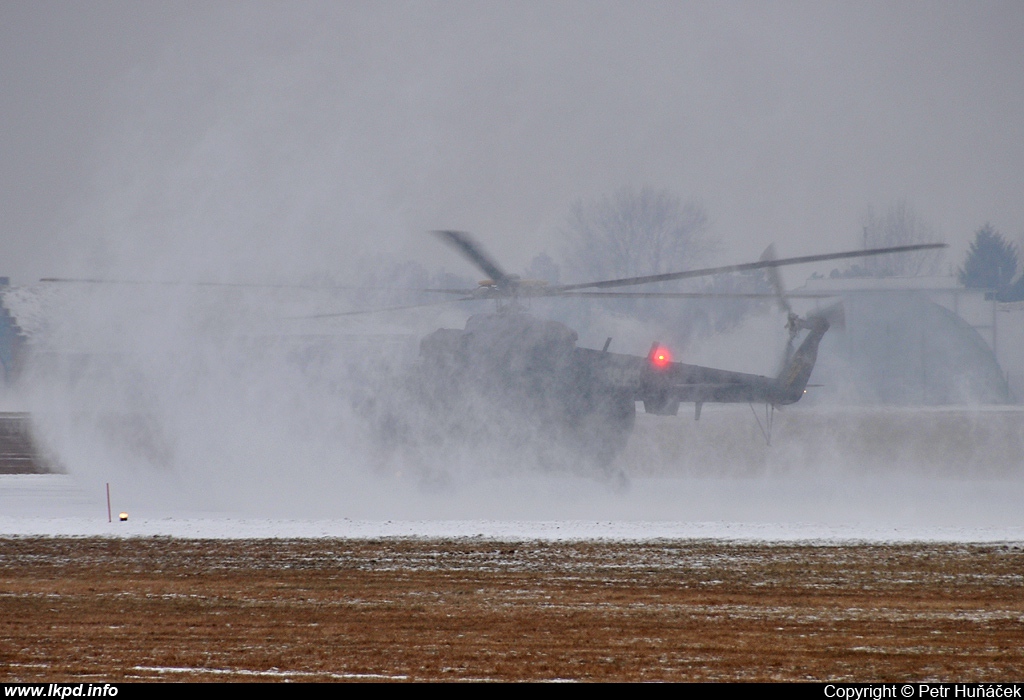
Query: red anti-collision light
(660, 357)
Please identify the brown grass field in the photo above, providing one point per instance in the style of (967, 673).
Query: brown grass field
(473, 609)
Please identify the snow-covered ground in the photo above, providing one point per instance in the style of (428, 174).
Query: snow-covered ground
(777, 509)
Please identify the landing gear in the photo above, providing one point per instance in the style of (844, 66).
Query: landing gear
(769, 421)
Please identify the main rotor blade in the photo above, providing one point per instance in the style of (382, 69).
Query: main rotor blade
(690, 295)
(255, 285)
(760, 265)
(471, 250)
(363, 312)
(166, 283)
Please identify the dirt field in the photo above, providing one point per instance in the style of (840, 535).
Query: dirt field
(172, 609)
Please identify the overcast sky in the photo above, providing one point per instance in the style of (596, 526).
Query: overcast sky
(278, 140)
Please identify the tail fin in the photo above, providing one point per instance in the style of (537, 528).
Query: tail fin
(792, 381)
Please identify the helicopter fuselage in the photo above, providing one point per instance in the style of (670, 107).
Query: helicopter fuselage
(526, 377)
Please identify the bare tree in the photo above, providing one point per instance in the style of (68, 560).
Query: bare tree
(646, 232)
(635, 233)
(898, 225)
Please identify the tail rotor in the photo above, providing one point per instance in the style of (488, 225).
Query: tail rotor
(833, 316)
(794, 323)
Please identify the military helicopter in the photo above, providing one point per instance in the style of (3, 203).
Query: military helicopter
(521, 384)
(510, 385)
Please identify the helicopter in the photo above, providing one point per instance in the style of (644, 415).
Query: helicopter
(512, 384)
(512, 388)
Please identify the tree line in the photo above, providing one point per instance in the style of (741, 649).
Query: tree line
(649, 231)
